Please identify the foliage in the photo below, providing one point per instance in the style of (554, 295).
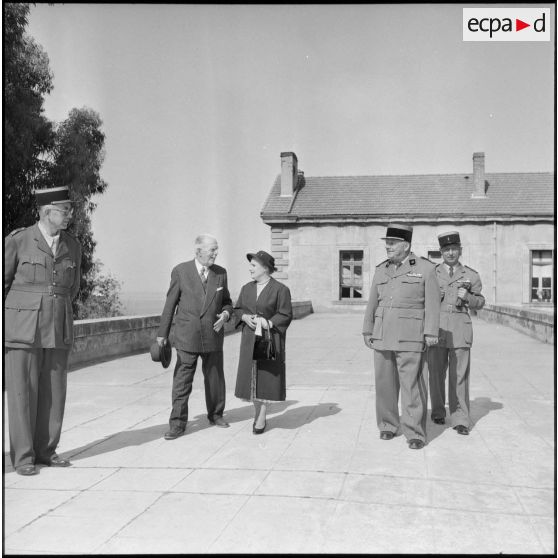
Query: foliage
(75, 160)
(41, 154)
(27, 132)
(104, 299)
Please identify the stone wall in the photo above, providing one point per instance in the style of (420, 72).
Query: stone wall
(535, 323)
(105, 338)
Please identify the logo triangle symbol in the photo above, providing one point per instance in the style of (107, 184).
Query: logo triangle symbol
(519, 25)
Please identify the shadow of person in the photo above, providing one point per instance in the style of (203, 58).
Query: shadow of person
(237, 415)
(113, 442)
(480, 407)
(300, 416)
(434, 430)
(139, 436)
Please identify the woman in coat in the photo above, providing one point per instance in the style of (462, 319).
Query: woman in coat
(262, 303)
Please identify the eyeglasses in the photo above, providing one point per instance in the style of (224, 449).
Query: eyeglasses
(65, 212)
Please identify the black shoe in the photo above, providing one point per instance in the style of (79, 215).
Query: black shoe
(416, 444)
(26, 470)
(219, 421)
(461, 429)
(386, 435)
(174, 433)
(258, 430)
(54, 461)
(439, 420)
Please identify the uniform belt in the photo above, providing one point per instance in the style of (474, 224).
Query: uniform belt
(45, 289)
(452, 308)
(403, 305)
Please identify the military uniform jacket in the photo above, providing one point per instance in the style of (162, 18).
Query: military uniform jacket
(404, 305)
(38, 289)
(456, 329)
(196, 310)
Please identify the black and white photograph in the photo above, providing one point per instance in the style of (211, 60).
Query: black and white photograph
(341, 216)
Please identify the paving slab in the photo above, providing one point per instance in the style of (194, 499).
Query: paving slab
(319, 480)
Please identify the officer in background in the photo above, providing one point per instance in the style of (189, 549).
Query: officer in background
(41, 277)
(402, 317)
(460, 289)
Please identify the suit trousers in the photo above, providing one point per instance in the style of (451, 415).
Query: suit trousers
(214, 383)
(401, 371)
(459, 363)
(36, 382)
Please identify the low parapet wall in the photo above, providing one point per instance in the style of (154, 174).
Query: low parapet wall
(535, 323)
(105, 338)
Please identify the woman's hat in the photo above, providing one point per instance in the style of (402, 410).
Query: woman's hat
(267, 260)
(161, 353)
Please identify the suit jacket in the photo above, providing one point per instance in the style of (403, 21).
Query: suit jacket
(39, 288)
(196, 311)
(456, 329)
(404, 305)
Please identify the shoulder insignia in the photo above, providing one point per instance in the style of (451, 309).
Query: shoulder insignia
(427, 260)
(382, 263)
(412, 261)
(13, 233)
(470, 268)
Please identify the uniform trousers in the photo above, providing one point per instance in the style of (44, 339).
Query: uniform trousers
(214, 383)
(36, 382)
(459, 363)
(397, 371)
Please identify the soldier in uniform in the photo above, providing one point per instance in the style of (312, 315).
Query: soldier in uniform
(402, 317)
(41, 277)
(460, 289)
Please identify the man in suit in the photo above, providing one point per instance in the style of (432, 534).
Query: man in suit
(41, 277)
(460, 289)
(200, 296)
(402, 316)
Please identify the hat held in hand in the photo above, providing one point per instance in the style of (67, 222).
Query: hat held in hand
(161, 353)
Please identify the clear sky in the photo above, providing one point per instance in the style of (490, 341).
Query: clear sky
(198, 101)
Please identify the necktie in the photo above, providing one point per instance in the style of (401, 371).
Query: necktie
(203, 277)
(451, 271)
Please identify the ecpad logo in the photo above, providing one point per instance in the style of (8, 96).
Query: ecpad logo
(506, 24)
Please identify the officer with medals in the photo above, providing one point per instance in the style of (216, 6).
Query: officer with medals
(460, 290)
(41, 277)
(401, 320)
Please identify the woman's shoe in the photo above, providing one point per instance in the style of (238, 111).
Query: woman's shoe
(258, 430)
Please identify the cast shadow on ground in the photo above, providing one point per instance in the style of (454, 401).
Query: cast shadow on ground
(300, 416)
(139, 436)
(479, 408)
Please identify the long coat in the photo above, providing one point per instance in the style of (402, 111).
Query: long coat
(456, 329)
(38, 290)
(404, 305)
(196, 311)
(274, 303)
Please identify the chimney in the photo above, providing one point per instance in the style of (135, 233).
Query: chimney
(289, 173)
(478, 176)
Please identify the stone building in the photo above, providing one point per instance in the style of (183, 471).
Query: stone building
(326, 231)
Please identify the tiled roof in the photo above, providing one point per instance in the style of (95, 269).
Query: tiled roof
(508, 194)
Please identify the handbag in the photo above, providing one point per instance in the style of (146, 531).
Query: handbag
(264, 346)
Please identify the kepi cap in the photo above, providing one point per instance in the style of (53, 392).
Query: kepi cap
(399, 232)
(49, 196)
(161, 353)
(267, 260)
(451, 237)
